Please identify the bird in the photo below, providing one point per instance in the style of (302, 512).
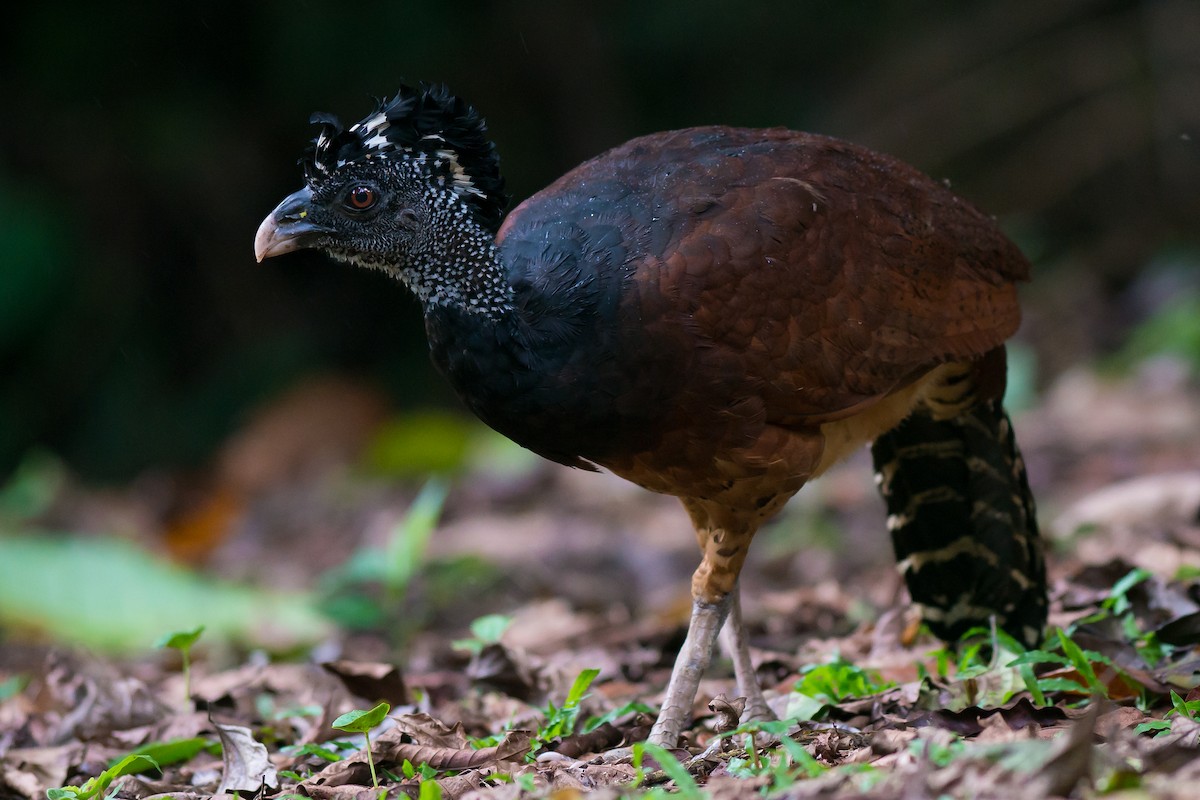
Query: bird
(715, 313)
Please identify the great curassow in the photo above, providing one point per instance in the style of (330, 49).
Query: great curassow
(718, 314)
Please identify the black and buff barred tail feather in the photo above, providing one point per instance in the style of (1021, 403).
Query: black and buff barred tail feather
(963, 523)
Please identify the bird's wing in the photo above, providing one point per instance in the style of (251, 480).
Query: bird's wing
(825, 274)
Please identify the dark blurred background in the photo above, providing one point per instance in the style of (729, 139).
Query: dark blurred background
(140, 148)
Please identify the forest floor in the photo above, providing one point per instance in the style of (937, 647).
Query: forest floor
(520, 620)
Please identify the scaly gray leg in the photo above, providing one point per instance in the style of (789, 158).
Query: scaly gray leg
(690, 664)
(738, 646)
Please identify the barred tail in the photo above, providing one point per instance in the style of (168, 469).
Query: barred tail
(963, 523)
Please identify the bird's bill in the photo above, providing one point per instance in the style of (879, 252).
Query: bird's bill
(288, 227)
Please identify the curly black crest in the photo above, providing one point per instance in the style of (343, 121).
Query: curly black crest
(428, 124)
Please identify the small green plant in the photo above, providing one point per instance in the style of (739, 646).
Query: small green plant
(839, 680)
(1117, 605)
(1173, 329)
(1188, 709)
(177, 751)
(686, 785)
(425, 771)
(940, 754)
(359, 721)
(783, 767)
(350, 591)
(183, 642)
(410, 538)
(561, 721)
(1071, 655)
(485, 630)
(985, 672)
(97, 786)
(801, 758)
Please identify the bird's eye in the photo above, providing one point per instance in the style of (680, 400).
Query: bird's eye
(360, 198)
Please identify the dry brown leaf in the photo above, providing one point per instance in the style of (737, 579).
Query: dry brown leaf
(425, 731)
(513, 747)
(505, 669)
(603, 737)
(390, 749)
(1072, 764)
(1118, 720)
(455, 786)
(28, 771)
(352, 771)
(373, 681)
(348, 791)
(247, 763)
(178, 726)
(1147, 499)
(87, 698)
(728, 712)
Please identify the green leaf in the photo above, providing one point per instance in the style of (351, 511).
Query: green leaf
(430, 790)
(561, 721)
(838, 680)
(1081, 663)
(803, 707)
(670, 765)
(311, 749)
(410, 538)
(801, 757)
(1182, 707)
(175, 751)
(485, 630)
(41, 574)
(1117, 600)
(491, 627)
(1061, 685)
(179, 640)
(581, 684)
(1038, 657)
(359, 721)
(131, 764)
(1029, 678)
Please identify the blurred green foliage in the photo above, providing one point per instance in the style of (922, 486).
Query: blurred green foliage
(1173, 331)
(418, 444)
(65, 587)
(374, 580)
(374, 588)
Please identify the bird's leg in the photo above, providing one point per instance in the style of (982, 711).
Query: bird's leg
(690, 664)
(738, 646)
(724, 539)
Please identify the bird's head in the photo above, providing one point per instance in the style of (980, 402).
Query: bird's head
(373, 190)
